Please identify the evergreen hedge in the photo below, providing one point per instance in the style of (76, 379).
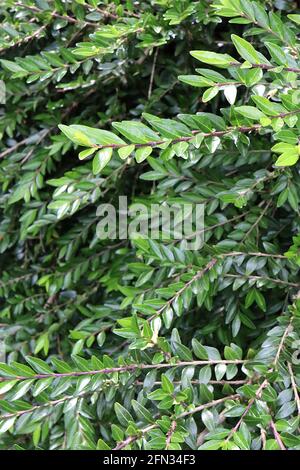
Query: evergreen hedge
(140, 343)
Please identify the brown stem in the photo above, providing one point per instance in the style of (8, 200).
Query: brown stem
(263, 438)
(246, 411)
(212, 382)
(253, 253)
(267, 67)
(152, 73)
(127, 368)
(134, 438)
(262, 278)
(256, 222)
(170, 433)
(277, 435)
(242, 129)
(281, 344)
(294, 386)
(44, 405)
(208, 405)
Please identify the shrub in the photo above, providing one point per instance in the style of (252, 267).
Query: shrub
(140, 343)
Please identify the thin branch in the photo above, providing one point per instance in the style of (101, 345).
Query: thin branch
(128, 368)
(208, 405)
(152, 73)
(294, 386)
(25, 39)
(256, 222)
(246, 411)
(197, 276)
(282, 341)
(253, 253)
(22, 142)
(277, 435)
(129, 440)
(267, 67)
(134, 438)
(263, 438)
(242, 129)
(262, 278)
(170, 433)
(195, 382)
(44, 405)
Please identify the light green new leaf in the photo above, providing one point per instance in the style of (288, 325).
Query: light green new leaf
(213, 58)
(295, 18)
(287, 159)
(209, 94)
(86, 153)
(88, 137)
(142, 153)
(125, 151)
(101, 159)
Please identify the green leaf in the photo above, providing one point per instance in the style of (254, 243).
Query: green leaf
(169, 128)
(6, 386)
(167, 385)
(142, 412)
(272, 444)
(124, 152)
(142, 153)
(283, 147)
(277, 53)
(288, 158)
(101, 159)
(208, 420)
(195, 80)
(20, 390)
(213, 58)
(122, 414)
(266, 106)
(249, 112)
(88, 137)
(136, 132)
(86, 153)
(199, 350)
(211, 445)
(40, 366)
(7, 371)
(6, 424)
(11, 66)
(76, 135)
(245, 49)
(240, 441)
(295, 18)
(205, 374)
(209, 94)
(101, 445)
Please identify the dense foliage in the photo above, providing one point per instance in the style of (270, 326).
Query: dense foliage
(140, 343)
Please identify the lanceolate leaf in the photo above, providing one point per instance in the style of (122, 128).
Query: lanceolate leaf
(101, 159)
